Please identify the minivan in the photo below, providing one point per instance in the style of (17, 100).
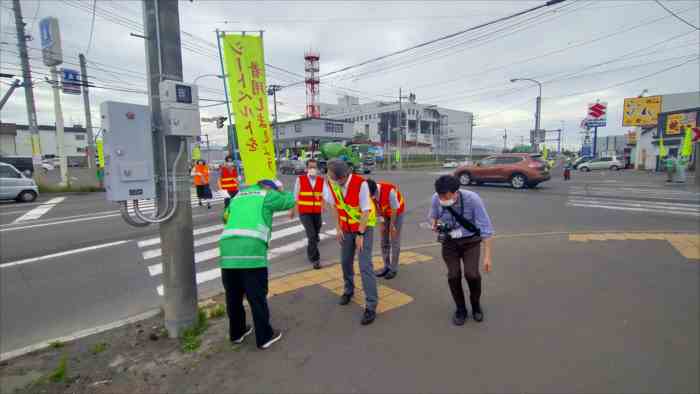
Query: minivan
(16, 186)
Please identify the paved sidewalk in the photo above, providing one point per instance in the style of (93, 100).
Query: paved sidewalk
(586, 315)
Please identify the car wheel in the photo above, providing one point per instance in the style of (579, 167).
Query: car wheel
(614, 168)
(518, 181)
(26, 196)
(585, 169)
(465, 179)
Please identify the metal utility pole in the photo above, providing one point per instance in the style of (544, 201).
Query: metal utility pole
(88, 116)
(17, 83)
(164, 62)
(272, 91)
(538, 110)
(595, 140)
(505, 140)
(399, 141)
(58, 113)
(28, 87)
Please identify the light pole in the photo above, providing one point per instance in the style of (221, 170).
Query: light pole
(538, 109)
(206, 75)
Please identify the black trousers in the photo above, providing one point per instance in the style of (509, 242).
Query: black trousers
(463, 252)
(312, 224)
(252, 283)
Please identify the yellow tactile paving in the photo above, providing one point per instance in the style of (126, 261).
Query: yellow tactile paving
(330, 277)
(688, 245)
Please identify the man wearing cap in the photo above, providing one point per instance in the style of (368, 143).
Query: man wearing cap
(390, 204)
(243, 249)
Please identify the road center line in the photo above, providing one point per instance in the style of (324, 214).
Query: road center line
(65, 253)
(39, 211)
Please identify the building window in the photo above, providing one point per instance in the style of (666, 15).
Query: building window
(80, 150)
(334, 128)
(297, 128)
(80, 137)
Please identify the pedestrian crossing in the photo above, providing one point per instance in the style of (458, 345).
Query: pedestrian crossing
(218, 196)
(288, 236)
(636, 199)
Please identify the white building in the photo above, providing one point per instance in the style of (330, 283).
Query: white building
(15, 140)
(427, 128)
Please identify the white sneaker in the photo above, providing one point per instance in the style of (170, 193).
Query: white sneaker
(247, 332)
(276, 336)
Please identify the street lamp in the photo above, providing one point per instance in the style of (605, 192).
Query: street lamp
(538, 108)
(207, 75)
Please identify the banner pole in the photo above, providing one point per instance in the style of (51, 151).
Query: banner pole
(231, 134)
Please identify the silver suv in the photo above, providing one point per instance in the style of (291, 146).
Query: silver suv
(602, 163)
(15, 186)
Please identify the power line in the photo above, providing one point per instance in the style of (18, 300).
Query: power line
(677, 16)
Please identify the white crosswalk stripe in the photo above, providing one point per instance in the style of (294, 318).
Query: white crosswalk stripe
(288, 237)
(663, 201)
(149, 205)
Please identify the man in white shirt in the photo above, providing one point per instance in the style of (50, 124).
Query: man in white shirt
(357, 216)
(308, 193)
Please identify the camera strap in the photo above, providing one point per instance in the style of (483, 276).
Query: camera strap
(464, 222)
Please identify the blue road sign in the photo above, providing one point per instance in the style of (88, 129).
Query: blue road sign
(45, 30)
(71, 81)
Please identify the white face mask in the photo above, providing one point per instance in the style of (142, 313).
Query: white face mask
(229, 164)
(312, 171)
(448, 203)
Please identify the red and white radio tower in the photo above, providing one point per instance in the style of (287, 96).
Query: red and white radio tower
(312, 84)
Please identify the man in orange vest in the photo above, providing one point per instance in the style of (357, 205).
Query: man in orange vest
(228, 179)
(357, 216)
(308, 192)
(391, 205)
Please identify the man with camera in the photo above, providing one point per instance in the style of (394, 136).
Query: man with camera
(462, 224)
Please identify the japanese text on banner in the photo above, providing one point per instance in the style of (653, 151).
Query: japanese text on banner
(245, 69)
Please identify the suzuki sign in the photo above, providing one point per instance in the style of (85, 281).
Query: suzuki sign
(597, 115)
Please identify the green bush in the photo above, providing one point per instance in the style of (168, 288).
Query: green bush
(59, 373)
(191, 337)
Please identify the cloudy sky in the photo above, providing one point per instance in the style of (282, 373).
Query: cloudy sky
(582, 51)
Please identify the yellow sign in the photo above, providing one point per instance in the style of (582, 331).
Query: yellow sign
(641, 111)
(196, 153)
(100, 153)
(675, 123)
(631, 138)
(245, 67)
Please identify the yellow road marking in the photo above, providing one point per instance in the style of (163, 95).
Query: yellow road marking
(331, 278)
(688, 245)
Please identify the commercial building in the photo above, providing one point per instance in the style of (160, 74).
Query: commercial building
(15, 140)
(674, 113)
(303, 132)
(426, 128)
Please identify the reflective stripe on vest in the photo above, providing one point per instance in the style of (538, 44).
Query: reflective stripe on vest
(310, 199)
(349, 213)
(385, 189)
(245, 218)
(239, 232)
(229, 179)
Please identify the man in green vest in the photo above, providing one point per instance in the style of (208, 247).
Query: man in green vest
(243, 248)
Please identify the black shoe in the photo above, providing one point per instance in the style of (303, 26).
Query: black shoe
(200, 203)
(478, 315)
(459, 318)
(390, 275)
(317, 265)
(345, 299)
(208, 206)
(368, 317)
(276, 336)
(382, 272)
(248, 330)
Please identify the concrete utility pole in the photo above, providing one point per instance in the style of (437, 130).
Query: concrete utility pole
(28, 87)
(17, 83)
(272, 91)
(88, 116)
(164, 62)
(58, 113)
(538, 111)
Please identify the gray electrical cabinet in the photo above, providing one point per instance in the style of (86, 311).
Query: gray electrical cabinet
(128, 151)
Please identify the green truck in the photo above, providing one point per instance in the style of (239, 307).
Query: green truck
(357, 156)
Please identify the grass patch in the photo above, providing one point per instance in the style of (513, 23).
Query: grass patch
(191, 337)
(56, 344)
(69, 189)
(218, 311)
(59, 373)
(98, 348)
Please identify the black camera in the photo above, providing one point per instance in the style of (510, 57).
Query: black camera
(443, 232)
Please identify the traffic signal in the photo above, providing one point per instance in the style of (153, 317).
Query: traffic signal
(220, 122)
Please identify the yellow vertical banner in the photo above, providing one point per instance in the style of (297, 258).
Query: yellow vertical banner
(100, 152)
(245, 68)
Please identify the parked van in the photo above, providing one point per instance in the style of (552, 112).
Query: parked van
(16, 186)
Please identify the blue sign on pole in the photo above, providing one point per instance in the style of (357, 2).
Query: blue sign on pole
(586, 150)
(71, 81)
(45, 30)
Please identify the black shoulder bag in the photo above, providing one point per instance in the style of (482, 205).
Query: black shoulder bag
(464, 222)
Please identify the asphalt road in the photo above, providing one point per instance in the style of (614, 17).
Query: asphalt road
(78, 265)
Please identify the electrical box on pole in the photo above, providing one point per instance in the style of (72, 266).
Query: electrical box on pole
(180, 106)
(128, 151)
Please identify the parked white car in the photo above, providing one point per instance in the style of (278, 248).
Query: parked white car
(450, 163)
(16, 186)
(601, 163)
